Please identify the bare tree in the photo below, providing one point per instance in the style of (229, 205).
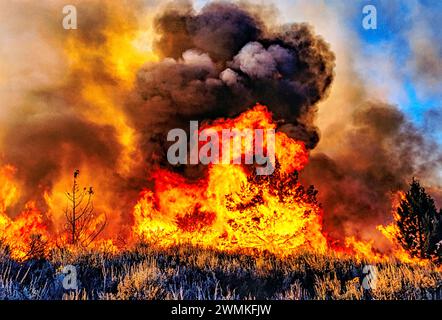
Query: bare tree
(81, 223)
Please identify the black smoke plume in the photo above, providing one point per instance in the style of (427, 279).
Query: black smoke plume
(220, 62)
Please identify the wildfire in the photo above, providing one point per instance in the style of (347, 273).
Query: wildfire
(8, 189)
(126, 46)
(101, 70)
(391, 231)
(231, 208)
(366, 250)
(27, 234)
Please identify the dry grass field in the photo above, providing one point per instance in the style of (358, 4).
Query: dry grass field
(186, 272)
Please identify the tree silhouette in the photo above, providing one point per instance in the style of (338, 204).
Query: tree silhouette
(81, 224)
(420, 224)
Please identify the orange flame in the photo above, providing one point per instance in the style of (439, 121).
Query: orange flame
(227, 209)
(27, 234)
(391, 231)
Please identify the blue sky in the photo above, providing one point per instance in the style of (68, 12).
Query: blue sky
(395, 18)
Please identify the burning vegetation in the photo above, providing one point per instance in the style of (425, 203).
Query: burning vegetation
(232, 207)
(226, 68)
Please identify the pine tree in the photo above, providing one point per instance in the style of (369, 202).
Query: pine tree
(420, 224)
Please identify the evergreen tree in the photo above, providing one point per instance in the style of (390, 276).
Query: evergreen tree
(420, 224)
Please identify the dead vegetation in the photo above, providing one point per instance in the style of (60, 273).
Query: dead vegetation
(186, 272)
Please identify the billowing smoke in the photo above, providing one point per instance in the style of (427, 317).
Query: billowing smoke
(50, 127)
(378, 156)
(43, 144)
(223, 60)
(368, 148)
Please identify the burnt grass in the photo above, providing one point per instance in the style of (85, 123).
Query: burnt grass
(186, 272)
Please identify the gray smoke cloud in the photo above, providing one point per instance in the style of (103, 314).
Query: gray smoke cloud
(221, 61)
(379, 156)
